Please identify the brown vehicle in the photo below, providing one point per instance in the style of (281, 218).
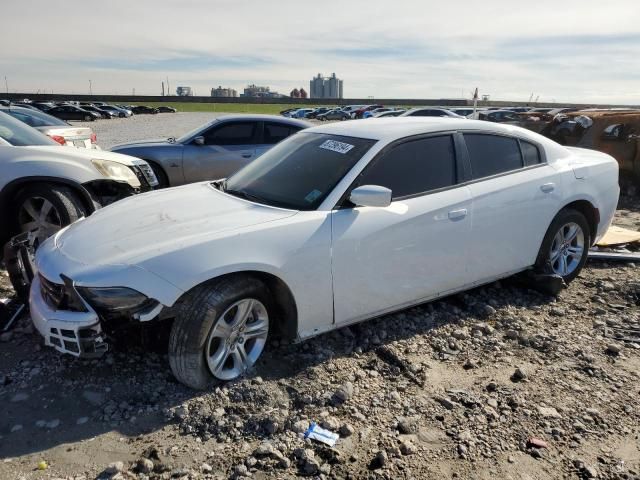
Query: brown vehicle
(616, 132)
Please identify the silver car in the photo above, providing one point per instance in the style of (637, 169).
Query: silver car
(53, 127)
(214, 150)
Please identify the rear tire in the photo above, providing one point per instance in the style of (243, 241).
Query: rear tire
(565, 246)
(199, 316)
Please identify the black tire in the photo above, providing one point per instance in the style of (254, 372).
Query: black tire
(198, 311)
(19, 262)
(163, 180)
(564, 217)
(88, 118)
(67, 204)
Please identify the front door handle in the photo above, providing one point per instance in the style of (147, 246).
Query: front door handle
(246, 155)
(548, 187)
(457, 214)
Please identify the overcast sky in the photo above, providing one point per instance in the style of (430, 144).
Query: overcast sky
(569, 50)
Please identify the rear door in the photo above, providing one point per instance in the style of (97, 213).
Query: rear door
(227, 147)
(516, 194)
(386, 258)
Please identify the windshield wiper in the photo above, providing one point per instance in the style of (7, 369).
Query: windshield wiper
(243, 194)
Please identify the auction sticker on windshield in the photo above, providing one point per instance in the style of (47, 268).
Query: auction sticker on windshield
(335, 146)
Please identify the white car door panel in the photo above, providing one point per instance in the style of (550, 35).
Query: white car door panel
(394, 256)
(511, 214)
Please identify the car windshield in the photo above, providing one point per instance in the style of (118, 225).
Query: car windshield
(20, 135)
(299, 172)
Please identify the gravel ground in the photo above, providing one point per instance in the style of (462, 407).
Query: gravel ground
(498, 382)
(142, 127)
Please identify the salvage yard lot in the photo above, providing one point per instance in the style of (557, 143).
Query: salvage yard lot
(464, 387)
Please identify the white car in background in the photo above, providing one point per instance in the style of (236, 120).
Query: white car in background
(332, 226)
(45, 186)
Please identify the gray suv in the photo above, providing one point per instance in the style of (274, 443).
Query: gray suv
(214, 150)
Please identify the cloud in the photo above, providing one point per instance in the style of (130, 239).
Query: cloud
(568, 51)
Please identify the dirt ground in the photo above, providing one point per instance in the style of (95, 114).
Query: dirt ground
(499, 382)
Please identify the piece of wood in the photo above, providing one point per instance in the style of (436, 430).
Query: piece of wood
(619, 256)
(618, 236)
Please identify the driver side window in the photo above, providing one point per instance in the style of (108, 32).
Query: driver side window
(414, 167)
(234, 133)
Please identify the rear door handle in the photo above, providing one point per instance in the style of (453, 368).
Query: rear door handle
(457, 214)
(247, 155)
(548, 187)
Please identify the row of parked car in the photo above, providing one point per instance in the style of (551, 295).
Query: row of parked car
(349, 112)
(87, 111)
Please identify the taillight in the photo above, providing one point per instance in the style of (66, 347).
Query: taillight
(94, 139)
(59, 139)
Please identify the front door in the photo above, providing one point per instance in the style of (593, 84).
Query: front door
(414, 249)
(227, 148)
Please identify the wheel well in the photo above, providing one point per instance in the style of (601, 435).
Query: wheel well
(590, 212)
(286, 313)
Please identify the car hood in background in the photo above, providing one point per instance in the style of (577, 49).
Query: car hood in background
(81, 155)
(148, 225)
(144, 144)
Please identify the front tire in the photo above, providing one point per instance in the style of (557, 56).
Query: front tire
(219, 332)
(564, 249)
(44, 209)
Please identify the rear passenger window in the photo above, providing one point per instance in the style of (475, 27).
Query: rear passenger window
(414, 167)
(240, 133)
(492, 154)
(274, 132)
(530, 153)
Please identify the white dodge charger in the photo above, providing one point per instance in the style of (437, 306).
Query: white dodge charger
(334, 225)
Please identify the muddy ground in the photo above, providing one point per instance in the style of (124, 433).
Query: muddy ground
(500, 382)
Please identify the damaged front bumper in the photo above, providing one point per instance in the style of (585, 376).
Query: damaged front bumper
(76, 333)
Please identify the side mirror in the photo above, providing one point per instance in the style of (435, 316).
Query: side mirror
(199, 140)
(370, 196)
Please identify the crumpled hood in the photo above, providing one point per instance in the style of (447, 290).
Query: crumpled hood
(148, 225)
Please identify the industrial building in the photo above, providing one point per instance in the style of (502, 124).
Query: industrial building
(223, 92)
(326, 87)
(184, 92)
(260, 91)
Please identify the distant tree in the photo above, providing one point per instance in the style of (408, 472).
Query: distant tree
(295, 93)
(303, 93)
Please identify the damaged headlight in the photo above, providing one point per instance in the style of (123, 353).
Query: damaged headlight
(114, 299)
(116, 171)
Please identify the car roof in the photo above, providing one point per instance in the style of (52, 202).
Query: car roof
(394, 128)
(258, 118)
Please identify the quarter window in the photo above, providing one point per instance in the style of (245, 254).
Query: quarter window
(414, 167)
(530, 153)
(492, 154)
(239, 133)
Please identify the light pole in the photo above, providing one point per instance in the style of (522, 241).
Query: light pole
(90, 89)
(6, 84)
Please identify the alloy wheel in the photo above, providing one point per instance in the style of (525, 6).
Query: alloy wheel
(38, 216)
(237, 339)
(567, 249)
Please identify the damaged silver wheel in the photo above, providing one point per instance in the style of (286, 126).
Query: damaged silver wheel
(237, 339)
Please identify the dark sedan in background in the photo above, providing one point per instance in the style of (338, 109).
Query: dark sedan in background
(214, 150)
(140, 109)
(71, 112)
